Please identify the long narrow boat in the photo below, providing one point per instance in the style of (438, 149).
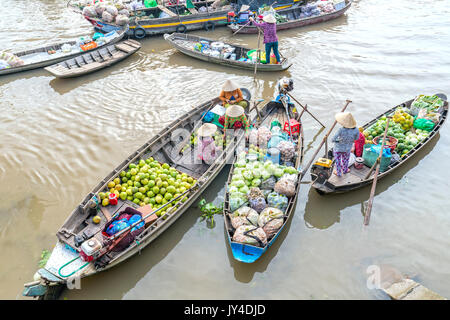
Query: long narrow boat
(71, 260)
(175, 18)
(325, 182)
(94, 60)
(249, 253)
(40, 57)
(292, 15)
(185, 43)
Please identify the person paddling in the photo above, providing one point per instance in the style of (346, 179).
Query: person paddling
(269, 27)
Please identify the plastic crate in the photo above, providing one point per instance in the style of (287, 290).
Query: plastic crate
(339, 5)
(370, 158)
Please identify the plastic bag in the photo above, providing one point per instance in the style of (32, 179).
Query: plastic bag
(268, 183)
(237, 202)
(424, 124)
(433, 116)
(107, 17)
(276, 200)
(287, 150)
(272, 227)
(258, 204)
(99, 8)
(117, 226)
(253, 137)
(264, 136)
(377, 147)
(244, 216)
(90, 12)
(269, 214)
(112, 10)
(4, 64)
(250, 235)
(135, 218)
(122, 20)
(286, 187)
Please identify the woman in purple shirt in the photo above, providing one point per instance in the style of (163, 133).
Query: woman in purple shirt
(269, 27)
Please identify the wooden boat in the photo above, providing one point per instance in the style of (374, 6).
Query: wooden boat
(293, 21)
(179, 18)
(66, 263)
(185, 43)
(94, 60)
(40, 58)
(250, 253)
(324, 181)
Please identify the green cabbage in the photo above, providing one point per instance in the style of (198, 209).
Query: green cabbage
(248, 175)
(265, 174)
(244, 189)
(256, 182)
(256, 173)
(278, 172)
(290, 170)
(238, 183)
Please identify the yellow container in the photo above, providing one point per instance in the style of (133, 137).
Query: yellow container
(273, 59)
(326, 163)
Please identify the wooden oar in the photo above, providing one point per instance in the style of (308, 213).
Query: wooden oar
(258, 54)
(304, 109)
(375, 176)
(321, 144)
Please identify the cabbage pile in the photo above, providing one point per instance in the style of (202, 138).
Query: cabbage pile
(255, 194)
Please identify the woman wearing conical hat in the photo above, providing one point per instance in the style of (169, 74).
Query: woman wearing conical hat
(269, 27)
(207, 150)
(235, 118)
(231, 94)
(343, 141)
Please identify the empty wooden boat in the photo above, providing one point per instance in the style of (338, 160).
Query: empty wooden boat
(230, 55)
(250, 252)
(51, 54)
(294, 19)
(94, 60)
(83, 245)
(324, 181)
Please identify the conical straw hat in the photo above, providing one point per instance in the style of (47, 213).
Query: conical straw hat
(269, 18)
(207, 130)
(229, 86)
(244, 8)
(234, 111)
(345, 119)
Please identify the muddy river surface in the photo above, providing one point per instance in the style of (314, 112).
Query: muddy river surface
(59, 138)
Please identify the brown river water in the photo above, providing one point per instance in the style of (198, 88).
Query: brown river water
(60, 137)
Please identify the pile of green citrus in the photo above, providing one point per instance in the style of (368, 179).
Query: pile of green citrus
(149, 182)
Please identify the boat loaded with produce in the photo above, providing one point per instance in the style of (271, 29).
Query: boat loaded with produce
(223, 53)
(55, 53)
(309, 13)
(412, 125)
(135, 203)
(263, 184)
(150, 17)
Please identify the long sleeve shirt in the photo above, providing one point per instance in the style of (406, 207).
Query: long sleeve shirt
(344, 139)
(229, 122)
(270, 31)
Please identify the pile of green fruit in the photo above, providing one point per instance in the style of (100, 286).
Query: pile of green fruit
(149, 182)
(377, 129)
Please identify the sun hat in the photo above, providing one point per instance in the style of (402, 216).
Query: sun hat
(234, 111)
(269, 18)
(345, 119)
(207, 130)
(244, 8)
(229, 86)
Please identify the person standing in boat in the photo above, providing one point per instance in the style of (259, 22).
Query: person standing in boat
(269, 27)
(231, 94)
(207, 150)
(343, 141)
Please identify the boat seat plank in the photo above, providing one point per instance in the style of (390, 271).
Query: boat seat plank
(164, 9)
(125, 48)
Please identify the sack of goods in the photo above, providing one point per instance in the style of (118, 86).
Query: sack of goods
(122, 20)
(10, 59)
(250, 235)
(254, 193)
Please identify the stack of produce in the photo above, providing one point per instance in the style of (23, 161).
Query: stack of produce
(149, 182)
(111, 11)
(408, 126)
(259, 191)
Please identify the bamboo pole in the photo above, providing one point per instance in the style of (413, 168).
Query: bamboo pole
(321, 144)
(375, 177)
(304, 109)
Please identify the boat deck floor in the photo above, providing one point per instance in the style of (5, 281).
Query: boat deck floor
(354, 176)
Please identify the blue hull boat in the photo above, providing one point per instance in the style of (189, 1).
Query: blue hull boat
(249, 253)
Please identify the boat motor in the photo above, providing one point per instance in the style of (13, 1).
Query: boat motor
(321, 170)
(90, 249)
